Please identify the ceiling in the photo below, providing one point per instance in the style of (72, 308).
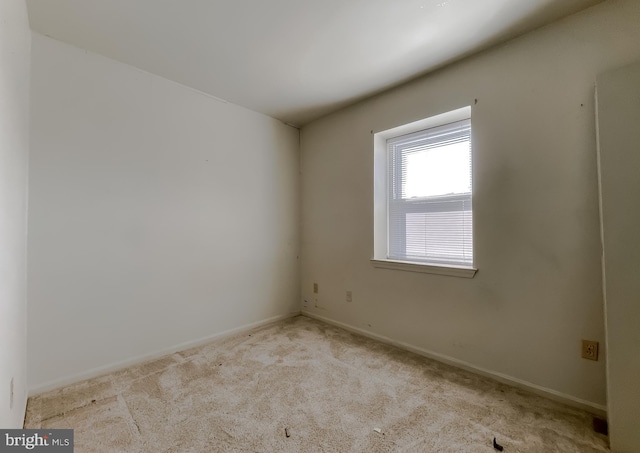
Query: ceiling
(295, 60)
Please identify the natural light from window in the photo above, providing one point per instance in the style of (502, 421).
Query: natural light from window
(445, 170)
(423, 195)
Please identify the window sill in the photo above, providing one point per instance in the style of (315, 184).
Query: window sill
(452, 271)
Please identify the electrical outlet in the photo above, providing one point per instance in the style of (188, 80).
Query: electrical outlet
(11, 394)
(315, 288)
(349, 296)
(589, 350)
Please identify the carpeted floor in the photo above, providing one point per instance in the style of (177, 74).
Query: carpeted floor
(303, 386)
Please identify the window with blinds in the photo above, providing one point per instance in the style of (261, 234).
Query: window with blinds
(429, 214)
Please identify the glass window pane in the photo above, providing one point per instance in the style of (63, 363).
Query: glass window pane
(442, 170)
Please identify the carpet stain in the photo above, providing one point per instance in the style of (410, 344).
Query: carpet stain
(304, 386)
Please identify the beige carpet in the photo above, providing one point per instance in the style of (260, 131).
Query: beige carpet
(327, 388)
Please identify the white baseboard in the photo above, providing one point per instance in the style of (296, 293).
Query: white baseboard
(95, 372)
(594, 408)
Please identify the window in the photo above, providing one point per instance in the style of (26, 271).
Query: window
(424, 190)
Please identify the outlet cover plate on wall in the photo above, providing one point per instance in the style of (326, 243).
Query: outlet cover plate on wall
(589, 350)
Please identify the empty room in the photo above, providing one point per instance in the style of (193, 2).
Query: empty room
(338, 226)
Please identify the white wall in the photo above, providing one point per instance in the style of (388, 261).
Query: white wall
(619, 162)
(158, 215)
(15, 42)
(538, 289)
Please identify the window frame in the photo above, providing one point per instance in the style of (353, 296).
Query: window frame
(381, 199)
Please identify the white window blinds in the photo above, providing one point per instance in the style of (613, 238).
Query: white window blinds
(429, 196)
